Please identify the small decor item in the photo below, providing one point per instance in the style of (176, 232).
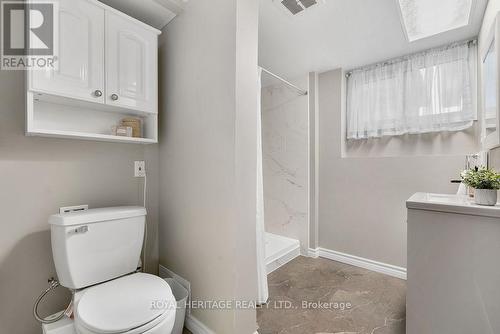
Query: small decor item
(486, 183)
(122, 131)
(135, 124)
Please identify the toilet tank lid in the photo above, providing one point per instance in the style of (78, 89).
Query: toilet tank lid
(96, 215)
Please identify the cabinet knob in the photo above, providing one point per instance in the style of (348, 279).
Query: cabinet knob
(98, 93)
(114, 97)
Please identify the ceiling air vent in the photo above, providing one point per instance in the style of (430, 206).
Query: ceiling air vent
(297, 6)
(308, 3)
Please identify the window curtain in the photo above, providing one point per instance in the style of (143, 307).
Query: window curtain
(426, 92)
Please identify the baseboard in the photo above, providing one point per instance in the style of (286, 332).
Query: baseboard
(357, 261)
(196, 326)
(283, 258)
(313, 252)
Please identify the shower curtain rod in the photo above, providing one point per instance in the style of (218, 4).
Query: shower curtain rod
(288, 83)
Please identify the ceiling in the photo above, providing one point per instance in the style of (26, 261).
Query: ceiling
(156, 13)
(343, 33)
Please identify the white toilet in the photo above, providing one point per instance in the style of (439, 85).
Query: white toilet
(96, 253)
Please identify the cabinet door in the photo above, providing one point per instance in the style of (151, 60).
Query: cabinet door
(80, 70)
(131, 64)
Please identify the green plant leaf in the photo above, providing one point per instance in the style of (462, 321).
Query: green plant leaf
(481, 178)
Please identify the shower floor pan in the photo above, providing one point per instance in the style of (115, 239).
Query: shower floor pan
(279, 251)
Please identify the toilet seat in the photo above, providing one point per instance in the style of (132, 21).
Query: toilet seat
(131, 304)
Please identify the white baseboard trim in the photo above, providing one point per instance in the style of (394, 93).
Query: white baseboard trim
(196, 326)
(357, 261)
(313, 252)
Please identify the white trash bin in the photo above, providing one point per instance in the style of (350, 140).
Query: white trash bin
(181, 295)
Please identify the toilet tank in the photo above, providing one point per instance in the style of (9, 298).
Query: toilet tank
(96, 245)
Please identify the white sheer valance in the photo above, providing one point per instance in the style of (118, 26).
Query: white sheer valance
(426, 92)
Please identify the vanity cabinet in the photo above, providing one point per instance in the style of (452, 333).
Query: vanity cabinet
(453, 272)
(107, 70)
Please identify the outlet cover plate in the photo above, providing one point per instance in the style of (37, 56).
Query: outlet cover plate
(139, 169)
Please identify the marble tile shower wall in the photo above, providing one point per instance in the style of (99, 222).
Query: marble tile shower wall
(285, 161)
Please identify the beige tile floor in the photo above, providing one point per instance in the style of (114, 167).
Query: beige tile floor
(377, 301)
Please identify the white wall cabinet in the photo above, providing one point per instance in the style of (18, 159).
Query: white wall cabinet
(131, 60)
(80, 71)
(107, 70)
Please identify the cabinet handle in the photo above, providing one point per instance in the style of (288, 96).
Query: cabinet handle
(114, 97)
(98, 93)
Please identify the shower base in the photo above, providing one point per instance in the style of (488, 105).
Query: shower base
(279, 251)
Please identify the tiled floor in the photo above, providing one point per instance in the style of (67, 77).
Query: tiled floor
(377, 301)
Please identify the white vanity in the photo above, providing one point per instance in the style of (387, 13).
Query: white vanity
(453, 266)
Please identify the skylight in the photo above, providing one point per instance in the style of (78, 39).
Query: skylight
(425, 18)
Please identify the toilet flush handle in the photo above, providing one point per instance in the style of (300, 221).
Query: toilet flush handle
(80, 229)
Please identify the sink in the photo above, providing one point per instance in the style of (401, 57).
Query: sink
(451, 203)
(448, 198)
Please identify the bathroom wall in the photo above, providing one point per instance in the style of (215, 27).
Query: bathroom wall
(363, 186)
(208, 155)
(39, 175)
(285, 125)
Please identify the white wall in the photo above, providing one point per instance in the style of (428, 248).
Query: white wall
(363, 187)
(285, 128)
(39, 175)
(208, 155)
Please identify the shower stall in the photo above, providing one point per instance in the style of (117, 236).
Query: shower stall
(285, 163)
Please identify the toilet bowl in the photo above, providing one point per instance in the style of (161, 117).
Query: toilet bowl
(133, 304)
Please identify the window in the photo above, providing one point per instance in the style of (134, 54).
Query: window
(426, 92)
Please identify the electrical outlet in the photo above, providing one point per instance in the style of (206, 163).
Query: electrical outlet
(139, 169)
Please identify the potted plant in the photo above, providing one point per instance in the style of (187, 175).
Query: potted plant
(485, 182)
